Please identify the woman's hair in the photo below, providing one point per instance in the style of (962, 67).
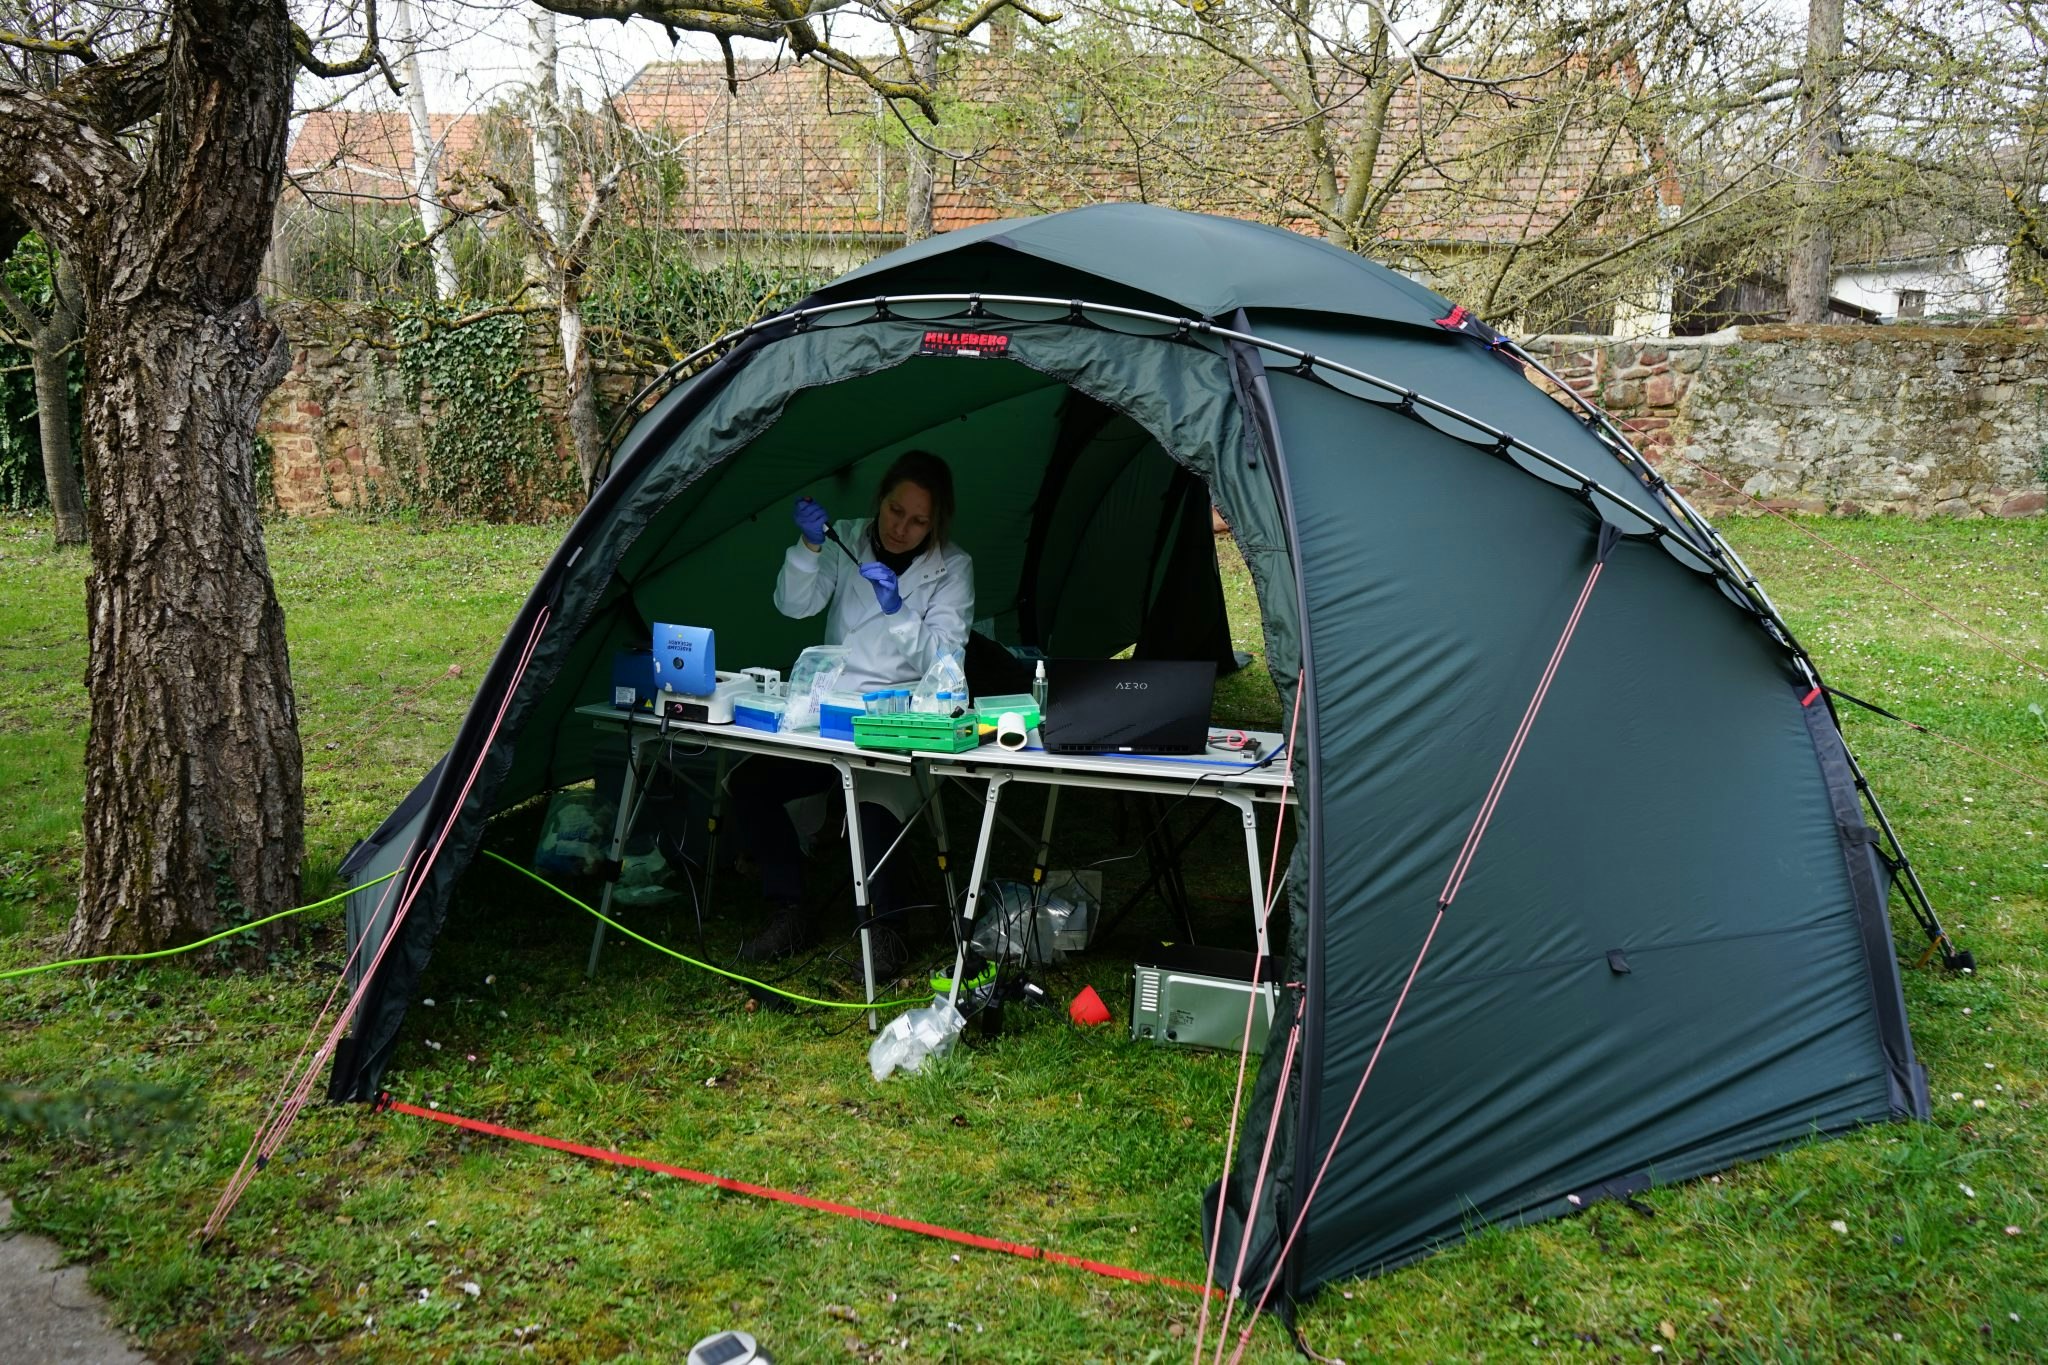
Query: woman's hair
(934, 476)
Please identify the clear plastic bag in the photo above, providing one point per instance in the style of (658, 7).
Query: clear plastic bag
(575, 834)
(943, 688)
(1012, 925)
(816, 673)
(913, 1036)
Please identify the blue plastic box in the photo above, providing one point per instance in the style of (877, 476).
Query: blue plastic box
(633, 686)
(758, 712)
(835, 716)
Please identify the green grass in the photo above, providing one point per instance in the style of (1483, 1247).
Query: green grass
(1079, 1141)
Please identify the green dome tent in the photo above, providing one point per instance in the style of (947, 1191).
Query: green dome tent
(1670, 952)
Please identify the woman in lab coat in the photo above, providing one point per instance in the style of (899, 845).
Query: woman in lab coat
(908, 599)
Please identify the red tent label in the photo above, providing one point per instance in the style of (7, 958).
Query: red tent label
(974, 345)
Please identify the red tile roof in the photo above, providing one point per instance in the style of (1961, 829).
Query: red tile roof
(800, 150)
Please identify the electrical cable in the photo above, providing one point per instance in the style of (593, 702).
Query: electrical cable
(694, 962)
(215, 938)
(826, 947)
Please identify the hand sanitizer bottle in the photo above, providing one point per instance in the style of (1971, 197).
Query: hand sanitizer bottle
(1038, 688)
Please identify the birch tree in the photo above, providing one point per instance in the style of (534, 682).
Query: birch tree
(562, 245)
(427, 151)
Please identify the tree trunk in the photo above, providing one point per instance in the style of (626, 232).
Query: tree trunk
(52, 359)
(586, 432)
(1809, 260)
(426, 156)
(193, 801)
(48, 341)
(921, 181)
(557, 277)
(193, 806)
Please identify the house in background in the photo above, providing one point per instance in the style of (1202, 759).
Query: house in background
(1905, 261)
(809, 169)
(1934, 282)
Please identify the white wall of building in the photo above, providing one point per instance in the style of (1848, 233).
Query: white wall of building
(1969, 283)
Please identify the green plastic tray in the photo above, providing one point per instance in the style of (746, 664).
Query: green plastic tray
(937, 734)
(992, 709)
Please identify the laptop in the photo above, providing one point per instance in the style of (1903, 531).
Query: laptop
(1127, 706)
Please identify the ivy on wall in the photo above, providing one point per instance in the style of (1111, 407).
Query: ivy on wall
(485, 448)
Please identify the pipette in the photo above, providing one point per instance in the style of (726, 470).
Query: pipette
(833, 536)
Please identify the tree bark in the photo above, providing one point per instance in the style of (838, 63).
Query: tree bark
(193, 807)
(586, 431)
(193, 803)
(51, 355)
(1809, 259)
(562, 277)
(921, 180)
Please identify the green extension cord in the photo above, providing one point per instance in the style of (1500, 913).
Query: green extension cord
(343, 895)
(680, 957)
(225, 933)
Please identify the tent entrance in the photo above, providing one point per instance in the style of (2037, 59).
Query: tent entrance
(1085, 463)
(1089, 535)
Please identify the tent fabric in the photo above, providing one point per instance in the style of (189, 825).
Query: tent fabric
(1672, 951)
(1205, 266)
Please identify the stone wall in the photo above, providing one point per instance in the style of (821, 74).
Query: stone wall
(1917, 420)
(1948, 421)
(338, 414)
(341, 426)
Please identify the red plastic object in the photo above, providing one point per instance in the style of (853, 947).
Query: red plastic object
(1087, 1009)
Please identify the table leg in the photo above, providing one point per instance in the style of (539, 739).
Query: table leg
(629, 808)
(932, 796)
(1247, 811)
(964, 926)
(711, 824)
(1052, 805)
(860, 882)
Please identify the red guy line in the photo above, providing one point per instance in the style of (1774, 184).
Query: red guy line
(887, 1220)
(1507, 763)
(414, 880)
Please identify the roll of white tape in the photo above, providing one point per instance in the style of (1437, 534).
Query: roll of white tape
(1010, 733)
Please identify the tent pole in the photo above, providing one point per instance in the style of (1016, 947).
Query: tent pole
(1916, 894)
(1953, 958)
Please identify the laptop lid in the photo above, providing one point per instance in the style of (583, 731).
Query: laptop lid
(1136, 706)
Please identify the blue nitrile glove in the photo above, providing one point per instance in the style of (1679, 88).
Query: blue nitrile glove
(885, 586)
(812, 521)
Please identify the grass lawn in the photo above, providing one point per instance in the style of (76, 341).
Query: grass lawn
(1923, 1242)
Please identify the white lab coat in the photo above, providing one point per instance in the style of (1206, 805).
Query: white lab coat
(882, 650)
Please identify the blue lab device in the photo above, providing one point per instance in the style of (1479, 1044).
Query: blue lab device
(683, 660)
(633, 685)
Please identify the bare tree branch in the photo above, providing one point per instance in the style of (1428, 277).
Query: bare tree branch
(780, 21)
(78, 47)
(370, 58)
(118, 95)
